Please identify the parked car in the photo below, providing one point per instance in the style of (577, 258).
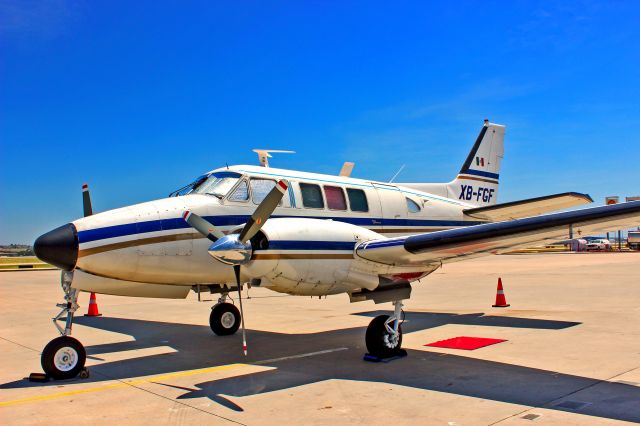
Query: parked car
(599, 244)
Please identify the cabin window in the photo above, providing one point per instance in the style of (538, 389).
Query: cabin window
(335, 198)
(241, 192)
(412, 206)
(311, 196)
(260, 188)
(357, 200)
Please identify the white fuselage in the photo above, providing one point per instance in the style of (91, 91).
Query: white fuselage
(151, 243)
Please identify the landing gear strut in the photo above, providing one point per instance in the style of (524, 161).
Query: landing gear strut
(225, 317)
(384, 334)
(64, 356)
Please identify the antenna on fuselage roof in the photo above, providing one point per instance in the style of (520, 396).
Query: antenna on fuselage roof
(397, 173)
(263, 155)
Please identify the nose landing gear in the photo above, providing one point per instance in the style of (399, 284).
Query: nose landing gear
(64, 357)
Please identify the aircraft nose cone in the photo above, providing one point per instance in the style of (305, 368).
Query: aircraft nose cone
(58, 247)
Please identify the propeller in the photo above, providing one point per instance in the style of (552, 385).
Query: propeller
(202, 226)
(236, 249)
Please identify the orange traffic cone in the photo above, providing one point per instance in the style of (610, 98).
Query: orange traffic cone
(501, 301)
(93, 307)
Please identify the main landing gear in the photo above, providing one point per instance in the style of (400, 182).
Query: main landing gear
(64, 357)
(225, 317)
(384, 334)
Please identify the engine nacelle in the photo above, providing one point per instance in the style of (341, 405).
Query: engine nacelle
(309, 257)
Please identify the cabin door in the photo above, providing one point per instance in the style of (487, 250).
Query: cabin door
(393, 205)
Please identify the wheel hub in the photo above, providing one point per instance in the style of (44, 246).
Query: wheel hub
(227, 320)
(391, 340)
(65, 358)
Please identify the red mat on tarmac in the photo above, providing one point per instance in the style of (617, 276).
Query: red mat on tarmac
(465, 343)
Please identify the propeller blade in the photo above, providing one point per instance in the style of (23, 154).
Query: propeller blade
(236, 270)
(86, 200)
(202, 226)
(264, 210)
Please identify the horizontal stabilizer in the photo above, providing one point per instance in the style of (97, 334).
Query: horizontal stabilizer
(529, 207)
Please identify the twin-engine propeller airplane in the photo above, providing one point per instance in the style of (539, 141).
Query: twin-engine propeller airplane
(303, 234)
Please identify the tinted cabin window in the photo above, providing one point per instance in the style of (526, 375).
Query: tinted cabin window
(241, 193)
(260, 188)
(335, 198)
(357, 200)
(412, 206)
(311, 196)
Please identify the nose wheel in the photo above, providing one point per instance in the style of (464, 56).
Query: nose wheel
(224, 319)
(63, 358)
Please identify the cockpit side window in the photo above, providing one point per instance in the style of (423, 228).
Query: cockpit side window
(241, 193)
(260, 188)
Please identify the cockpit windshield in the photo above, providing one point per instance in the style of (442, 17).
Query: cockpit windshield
(217, 184)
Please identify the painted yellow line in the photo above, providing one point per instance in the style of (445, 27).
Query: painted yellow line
(122, 384)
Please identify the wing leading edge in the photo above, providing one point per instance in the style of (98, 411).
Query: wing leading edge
(499, 237)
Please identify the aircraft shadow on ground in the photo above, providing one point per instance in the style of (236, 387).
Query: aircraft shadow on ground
(197, 347)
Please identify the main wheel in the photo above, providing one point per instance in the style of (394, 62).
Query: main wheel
(63, 358)
(379, 341)
(224, 319)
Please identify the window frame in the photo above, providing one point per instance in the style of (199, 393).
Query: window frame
(409, 200)
(233, 190)
(252, 178)
(324, 202)
(366, 199)
(344, 198)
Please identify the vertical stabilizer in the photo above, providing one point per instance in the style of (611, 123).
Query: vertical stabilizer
(477, 182)
(478, 179)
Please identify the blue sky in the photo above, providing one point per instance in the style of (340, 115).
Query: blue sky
(137, 98)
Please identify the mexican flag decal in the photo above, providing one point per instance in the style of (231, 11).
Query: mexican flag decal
(480, 161)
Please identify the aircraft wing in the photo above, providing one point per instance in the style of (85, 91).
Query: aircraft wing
(493, 238)
(529, 207)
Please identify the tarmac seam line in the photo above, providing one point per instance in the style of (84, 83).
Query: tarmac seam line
(16, 343)
(134, 385)
(546, 404)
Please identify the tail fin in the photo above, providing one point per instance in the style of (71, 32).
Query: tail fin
(477, 182)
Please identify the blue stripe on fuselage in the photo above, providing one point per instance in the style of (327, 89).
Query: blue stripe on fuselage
(233, 220)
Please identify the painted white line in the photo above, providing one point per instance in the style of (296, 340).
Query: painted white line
(284, 358)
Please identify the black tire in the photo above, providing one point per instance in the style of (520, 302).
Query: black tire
(377, 338)
(224, 319)
(63, 358)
